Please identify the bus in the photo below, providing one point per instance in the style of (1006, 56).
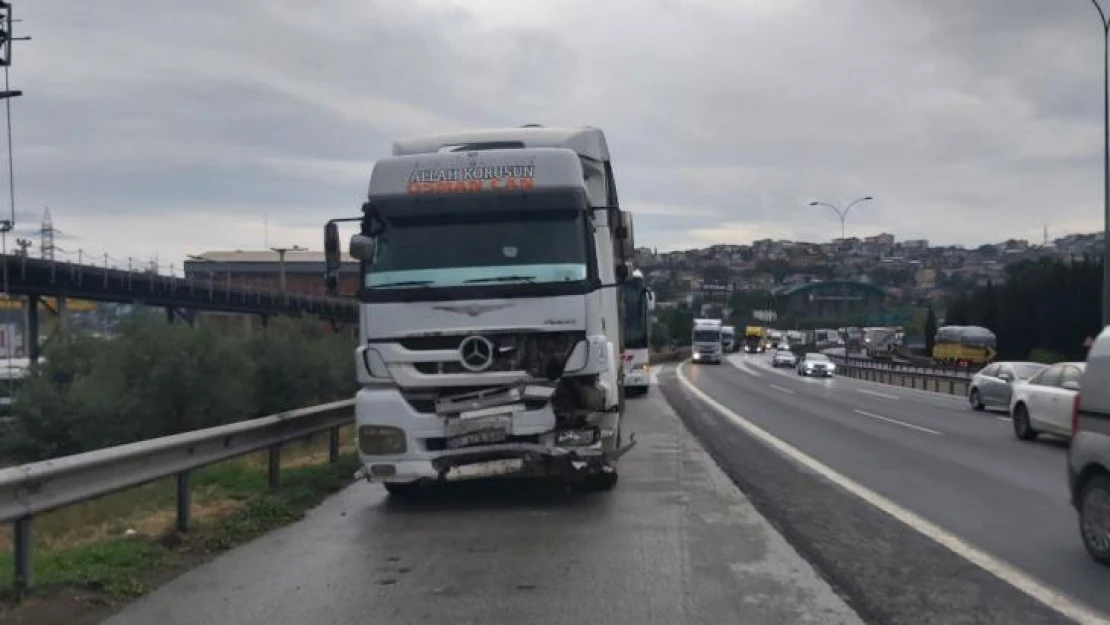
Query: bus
(964, 346)
(639, 301)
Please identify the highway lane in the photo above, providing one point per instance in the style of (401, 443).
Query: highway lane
(962, 470)
(675, 542)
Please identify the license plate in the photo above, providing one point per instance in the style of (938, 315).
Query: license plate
(492, 468)
(477, 431)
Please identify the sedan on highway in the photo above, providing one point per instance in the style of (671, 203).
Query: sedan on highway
(991, 386)
(1044, 402)
(816, 364)
(783, 358)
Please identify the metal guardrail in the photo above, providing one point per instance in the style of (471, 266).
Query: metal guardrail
(963, 373)
(38, 487)
(910, 377)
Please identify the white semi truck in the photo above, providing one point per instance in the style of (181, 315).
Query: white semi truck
(706, 341)
(491, 313)
(728, 338)
(639, 301)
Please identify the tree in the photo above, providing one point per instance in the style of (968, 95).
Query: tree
(930, 330)
(958, 313)
(154, 379)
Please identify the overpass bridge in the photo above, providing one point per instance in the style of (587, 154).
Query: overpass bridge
(37, 279)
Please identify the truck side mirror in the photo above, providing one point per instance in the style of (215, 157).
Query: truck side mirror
(622, 272)
(332, 257)
(362, 247)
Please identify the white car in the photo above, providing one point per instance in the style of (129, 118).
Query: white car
(1044, 402)
(783, 358)
(816, 363)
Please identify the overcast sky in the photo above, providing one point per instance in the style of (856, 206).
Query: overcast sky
(176, 127)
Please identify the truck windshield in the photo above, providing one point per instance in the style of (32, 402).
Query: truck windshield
(475, 247)
(707, 336)
(635, 314)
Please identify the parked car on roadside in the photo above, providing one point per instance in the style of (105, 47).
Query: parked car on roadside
(991, 386)
(1044, 402)
(1089, 452)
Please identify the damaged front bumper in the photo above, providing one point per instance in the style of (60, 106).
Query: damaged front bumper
(513, 459)
(503, 431)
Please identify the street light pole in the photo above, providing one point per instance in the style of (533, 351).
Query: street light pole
(842, 214)
(1105, 163)
(281, 261)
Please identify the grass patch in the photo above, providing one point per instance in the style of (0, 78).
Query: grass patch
(111, 549)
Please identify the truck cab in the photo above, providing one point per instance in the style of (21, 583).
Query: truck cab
(728, 338)
(754, 342)
(491, 321)
(706, 341)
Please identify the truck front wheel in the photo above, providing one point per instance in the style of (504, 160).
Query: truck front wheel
(402, 489)
(600, 482)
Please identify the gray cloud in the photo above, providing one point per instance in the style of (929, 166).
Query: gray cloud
(168, 129)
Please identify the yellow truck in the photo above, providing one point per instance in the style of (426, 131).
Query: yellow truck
(755, 340)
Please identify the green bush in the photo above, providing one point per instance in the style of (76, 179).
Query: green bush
(155, 379)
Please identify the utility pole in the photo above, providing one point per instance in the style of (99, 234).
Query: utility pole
(281, 261)
(842, 213)
(1105, 24)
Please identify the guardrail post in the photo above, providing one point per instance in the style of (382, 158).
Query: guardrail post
(333, 445)
(21, 552)
(275, 465)
(183, 501)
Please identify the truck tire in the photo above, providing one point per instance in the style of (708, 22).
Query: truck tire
(402, 490)
(600, 482)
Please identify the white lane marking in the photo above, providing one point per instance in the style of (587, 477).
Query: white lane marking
(876, 393)
(895, 421)
(737, 361)
(1049, 596)
(781, 389)
(1004, 419)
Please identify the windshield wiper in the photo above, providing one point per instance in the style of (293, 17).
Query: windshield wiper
(404, 283)
(503, 279)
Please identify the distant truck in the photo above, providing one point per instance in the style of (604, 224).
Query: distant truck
(754, 340)
(774, 338)
(706, 341)
(728, 338)
(880, 343)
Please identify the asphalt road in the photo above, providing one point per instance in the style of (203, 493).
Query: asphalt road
(961, 470)
(675, 542)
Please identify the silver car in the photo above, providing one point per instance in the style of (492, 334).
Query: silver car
(992, 386)
(1089, 452)
(783, 358)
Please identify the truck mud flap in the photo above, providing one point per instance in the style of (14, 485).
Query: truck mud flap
(616, 454)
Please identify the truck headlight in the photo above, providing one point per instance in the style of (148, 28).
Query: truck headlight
(576, 438)
(381, 440)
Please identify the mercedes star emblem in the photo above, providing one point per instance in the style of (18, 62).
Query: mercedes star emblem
(476, 353)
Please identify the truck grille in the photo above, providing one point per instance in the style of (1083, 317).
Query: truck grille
(515, 351)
